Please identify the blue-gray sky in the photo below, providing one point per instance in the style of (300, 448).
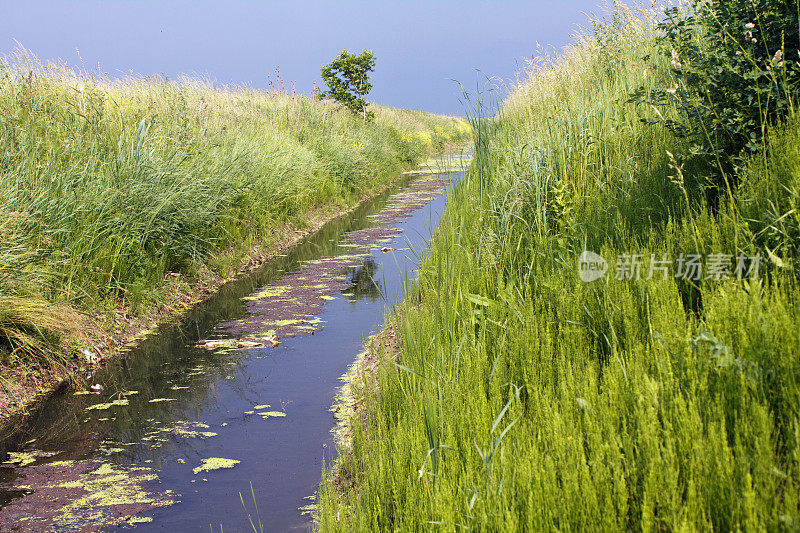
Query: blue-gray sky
(419, 46)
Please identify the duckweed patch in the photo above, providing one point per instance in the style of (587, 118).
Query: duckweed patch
(26, 458)
(268, 292)
(103, 406)
(215, 463)
(81, 496)
(61, 463)
(156, 437)
(272, 414)
(310, 508)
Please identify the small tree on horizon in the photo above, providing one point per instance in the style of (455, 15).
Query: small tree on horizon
(347, 78)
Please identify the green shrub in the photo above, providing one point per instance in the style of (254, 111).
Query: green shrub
(735, 72)
(347, 78)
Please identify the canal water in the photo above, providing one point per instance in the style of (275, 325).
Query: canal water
(206, 425)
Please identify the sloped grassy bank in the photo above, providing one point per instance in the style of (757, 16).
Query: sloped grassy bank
(518, 397)
(121, 201)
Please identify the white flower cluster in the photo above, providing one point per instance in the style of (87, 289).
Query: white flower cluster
(675, 60)
(748, 34)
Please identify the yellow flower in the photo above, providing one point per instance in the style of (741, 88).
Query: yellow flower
(425, 137)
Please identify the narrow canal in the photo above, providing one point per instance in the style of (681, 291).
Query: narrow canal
(202, 410)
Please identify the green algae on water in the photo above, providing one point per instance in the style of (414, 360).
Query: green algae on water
(25, 458)
(83, 496)
(215, 463)
(108, 486)
(178, 429)
(268, 292)
(103, 406)
(271, 414)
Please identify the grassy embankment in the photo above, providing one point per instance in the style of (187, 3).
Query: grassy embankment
(106, 187)
(525, 399)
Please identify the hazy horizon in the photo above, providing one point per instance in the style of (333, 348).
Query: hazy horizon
(420, 48)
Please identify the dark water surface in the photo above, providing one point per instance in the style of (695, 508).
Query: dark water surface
(206, 399)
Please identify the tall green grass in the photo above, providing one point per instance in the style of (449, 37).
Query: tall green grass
(525, 399)
(106, 185)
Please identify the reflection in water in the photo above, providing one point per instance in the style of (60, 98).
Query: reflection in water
(365, 285)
